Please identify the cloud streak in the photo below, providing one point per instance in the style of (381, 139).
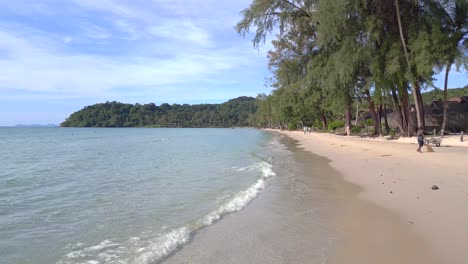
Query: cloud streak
(182, 31)
(51, 70)
(85, 51)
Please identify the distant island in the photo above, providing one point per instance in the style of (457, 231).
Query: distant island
(236, 112)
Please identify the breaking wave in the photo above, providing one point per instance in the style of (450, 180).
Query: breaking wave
(153, 250)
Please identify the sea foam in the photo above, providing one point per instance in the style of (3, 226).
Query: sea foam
(170, 242)
(242, 198)
(144, 251)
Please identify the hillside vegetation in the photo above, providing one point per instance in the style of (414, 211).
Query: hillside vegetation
(438, 94)
(235, 112)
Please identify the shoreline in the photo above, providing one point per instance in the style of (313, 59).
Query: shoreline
(394, 176)
(305, 215)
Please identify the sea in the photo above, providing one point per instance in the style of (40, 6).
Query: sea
(123, 195)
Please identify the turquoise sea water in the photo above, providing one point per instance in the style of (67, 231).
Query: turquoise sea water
(121, 195)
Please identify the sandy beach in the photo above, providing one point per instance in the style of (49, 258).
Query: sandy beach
(341, 200)
(392, 175)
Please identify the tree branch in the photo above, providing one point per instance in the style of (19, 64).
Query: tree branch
(297, 7)
(274, 13)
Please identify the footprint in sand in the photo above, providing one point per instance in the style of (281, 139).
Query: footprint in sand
(342, 145)
(386, 155)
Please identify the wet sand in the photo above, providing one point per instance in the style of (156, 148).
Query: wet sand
(307, 214)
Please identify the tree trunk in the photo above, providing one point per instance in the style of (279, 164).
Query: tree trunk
(421, 105)
(373, 113)
(324, 122)
(387, 128)
(414, 84)
(444, 120)
(406, 107)
(379, 118)
(347, 112)
(398, 112)
(357, 112)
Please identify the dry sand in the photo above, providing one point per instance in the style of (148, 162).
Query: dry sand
(396, 177)
(447, 141)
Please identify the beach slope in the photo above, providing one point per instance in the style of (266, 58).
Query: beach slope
(396, 177)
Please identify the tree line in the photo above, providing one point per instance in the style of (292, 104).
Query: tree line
(332, 56)
(236, 112)
(438, 94)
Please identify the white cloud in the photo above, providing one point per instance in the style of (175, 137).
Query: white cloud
(95, 32)
(213, 8)
(60, 55)
(67, 39)
(183, 31)
(132, 51)
(26, 7)
(31, 68)
(123, 26)
(114, 7)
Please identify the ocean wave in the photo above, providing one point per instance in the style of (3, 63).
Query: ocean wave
(154, 250)
(159, 248)
(241, 199)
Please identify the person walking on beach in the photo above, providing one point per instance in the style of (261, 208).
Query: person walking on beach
(420, 135)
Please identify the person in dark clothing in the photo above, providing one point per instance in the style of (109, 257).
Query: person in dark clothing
(420, 135)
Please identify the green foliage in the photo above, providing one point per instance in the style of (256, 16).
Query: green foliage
(328, 53)
(356, 130)
(369, 122)
(292, 126)
(438, 94)
(235, 112)
(317, 125)
(370, 130)
(336, 124)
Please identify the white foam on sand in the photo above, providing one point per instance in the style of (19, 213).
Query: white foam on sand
(144, 251)
(167, 244)
(162, 246)
(242, 198)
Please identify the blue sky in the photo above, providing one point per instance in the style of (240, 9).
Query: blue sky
(57, 56)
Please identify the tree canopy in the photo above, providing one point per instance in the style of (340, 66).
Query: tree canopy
(329, 56)
(235, 112)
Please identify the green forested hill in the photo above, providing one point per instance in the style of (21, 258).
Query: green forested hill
(235, 112)
(438, 94)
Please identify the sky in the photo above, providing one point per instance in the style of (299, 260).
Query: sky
(57, 56)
